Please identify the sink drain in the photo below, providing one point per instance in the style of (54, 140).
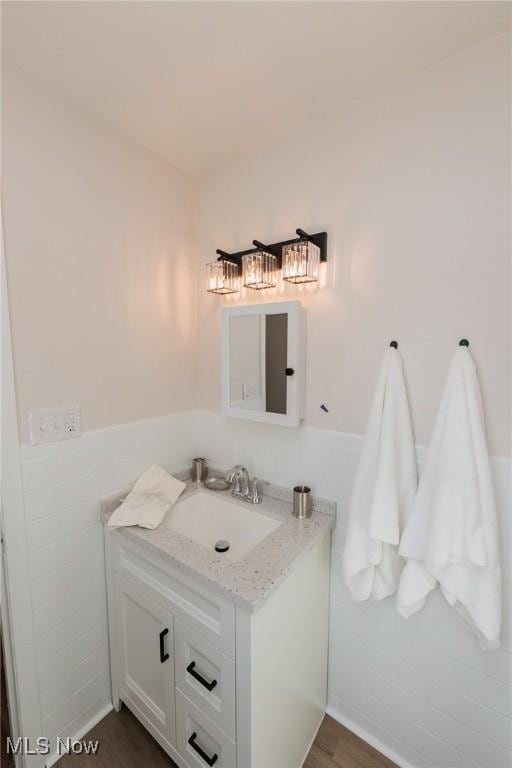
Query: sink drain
(222, 545)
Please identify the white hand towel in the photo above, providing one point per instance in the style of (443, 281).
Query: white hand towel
(149, 501)
(451, 536)
(384, 489)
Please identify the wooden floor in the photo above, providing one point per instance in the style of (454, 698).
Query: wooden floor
(337, 747)
(124, 743)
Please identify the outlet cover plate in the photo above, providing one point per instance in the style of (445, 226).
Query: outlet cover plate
(47, 425)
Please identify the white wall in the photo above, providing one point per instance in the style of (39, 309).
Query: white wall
(63, 485)
(420, 689)
(100, 265)
(413, 190)
(101, 277)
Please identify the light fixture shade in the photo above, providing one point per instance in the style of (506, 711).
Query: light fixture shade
(222, 277)
(301, 262)
(259, 270)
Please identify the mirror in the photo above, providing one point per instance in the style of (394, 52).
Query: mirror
(257, 372)
(263, 362)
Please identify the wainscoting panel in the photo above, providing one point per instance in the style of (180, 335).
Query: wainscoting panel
(63, 484)
(420, 690)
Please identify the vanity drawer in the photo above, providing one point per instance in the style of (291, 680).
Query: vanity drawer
(188, 598)
(200, 743)
(206, 676)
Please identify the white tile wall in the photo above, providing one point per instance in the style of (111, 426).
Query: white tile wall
(63, 483)
(420, 689)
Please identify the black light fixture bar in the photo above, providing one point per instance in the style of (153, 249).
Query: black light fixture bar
(276, 249)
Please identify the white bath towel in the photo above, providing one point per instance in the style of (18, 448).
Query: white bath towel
(451, 536)
(384, 489)
(149, 501)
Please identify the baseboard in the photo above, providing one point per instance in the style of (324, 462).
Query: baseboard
(369, 738)
(313, 739)
(53, 758)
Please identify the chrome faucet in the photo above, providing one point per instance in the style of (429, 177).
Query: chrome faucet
(243, 488)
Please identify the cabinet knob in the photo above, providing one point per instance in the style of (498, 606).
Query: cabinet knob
(289, 371)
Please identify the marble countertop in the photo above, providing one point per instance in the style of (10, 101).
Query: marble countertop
(250, 580)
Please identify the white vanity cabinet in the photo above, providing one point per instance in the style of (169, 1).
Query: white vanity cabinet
(217, 682)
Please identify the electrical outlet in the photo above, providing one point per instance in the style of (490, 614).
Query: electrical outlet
(47, 425)
(72, 422)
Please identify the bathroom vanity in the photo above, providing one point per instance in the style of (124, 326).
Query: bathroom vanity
(222, 657)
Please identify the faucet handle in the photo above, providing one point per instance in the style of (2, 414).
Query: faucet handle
(232, 477)
(255, 496)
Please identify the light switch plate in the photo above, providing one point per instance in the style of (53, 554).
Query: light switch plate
(46, 425)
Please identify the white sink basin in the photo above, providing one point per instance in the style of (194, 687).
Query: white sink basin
(206, 519)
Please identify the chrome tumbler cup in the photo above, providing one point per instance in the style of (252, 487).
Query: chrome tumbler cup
(301, 502)
(198, 470)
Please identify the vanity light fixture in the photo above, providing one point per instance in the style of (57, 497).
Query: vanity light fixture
(298, 258)
(259, 270)
(222, 277)
(301, 262)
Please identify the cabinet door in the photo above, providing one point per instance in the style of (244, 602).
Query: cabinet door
(146, 650)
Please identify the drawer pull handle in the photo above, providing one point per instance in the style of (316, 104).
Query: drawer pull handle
(206, 757)
(191, 669)
(163, 655)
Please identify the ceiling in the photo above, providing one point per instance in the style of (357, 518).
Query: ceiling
(202, 83)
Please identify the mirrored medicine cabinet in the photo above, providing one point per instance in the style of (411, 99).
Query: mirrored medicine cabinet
(263, 362)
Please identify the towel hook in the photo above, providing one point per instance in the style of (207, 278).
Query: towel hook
(463, 343)
(394, 344)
